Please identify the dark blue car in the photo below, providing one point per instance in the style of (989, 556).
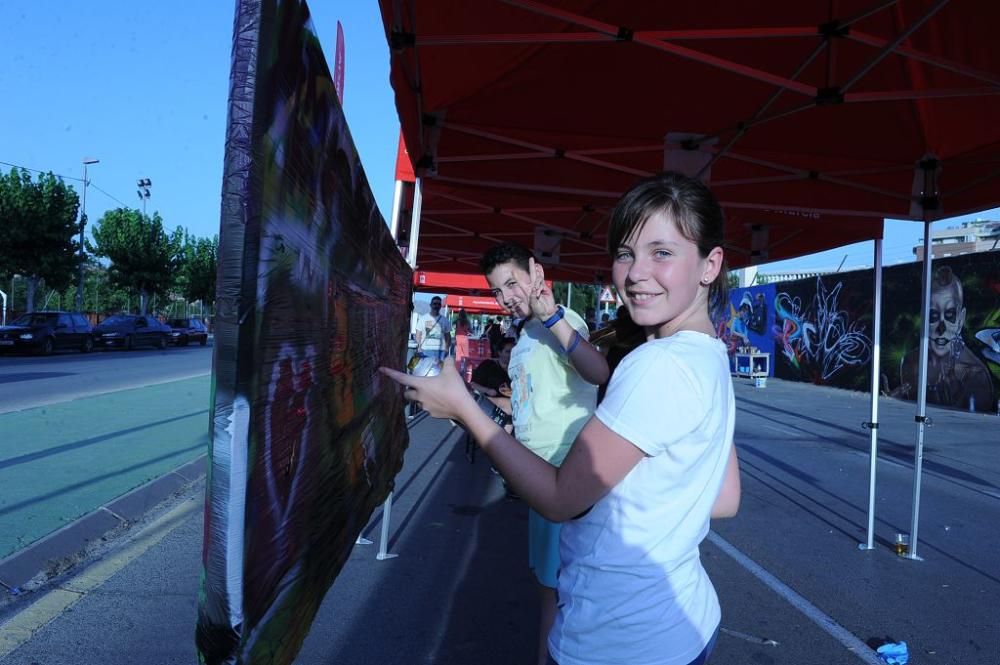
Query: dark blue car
(129, 331)
(187, 330)
(45, 332)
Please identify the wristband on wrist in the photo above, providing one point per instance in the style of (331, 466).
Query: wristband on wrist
(554, 319)
(577, 338)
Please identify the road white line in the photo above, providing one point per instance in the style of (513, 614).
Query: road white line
(26, 623)
(813, 613)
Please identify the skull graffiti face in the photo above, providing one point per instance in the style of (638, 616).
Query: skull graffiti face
(947, 317)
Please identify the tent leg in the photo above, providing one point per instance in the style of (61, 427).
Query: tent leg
(411, 258)
(383, 543)
(872, 424)
(397, 204)
(411, 254)
(921, 417)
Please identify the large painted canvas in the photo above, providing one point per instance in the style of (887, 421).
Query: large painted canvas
(313, 296)
(963, 357)
(747, 320)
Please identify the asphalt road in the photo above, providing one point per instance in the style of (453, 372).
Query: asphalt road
(29, 381)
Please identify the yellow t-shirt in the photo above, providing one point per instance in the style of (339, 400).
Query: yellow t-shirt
(550, 401)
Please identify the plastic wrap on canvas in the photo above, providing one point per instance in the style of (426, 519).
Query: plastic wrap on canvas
(312, 297)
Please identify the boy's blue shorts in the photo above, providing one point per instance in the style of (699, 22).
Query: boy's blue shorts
(543, 549)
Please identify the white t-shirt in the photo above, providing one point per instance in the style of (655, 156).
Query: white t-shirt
(433, 329)
(632, 588)
(549, 399)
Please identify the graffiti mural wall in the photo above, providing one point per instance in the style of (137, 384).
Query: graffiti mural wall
(963, 358)
(313, 297)
(822, 330)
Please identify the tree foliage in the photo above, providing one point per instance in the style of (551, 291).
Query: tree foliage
(38, 227)
(198, 267)
(584, 296)
(143, 256)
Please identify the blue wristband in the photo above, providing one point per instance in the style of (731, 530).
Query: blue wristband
(554, 319)
(577, 338)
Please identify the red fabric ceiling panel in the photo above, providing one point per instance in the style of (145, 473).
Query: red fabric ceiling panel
(527, 117)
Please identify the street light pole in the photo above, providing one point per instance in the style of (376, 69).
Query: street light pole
(143, 184)
(87, 161)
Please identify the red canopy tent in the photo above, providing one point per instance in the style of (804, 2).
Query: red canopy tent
(474, 304)
(812, 122)
(526, 120)
(468, 284)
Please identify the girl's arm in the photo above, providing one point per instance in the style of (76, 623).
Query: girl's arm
(598, 460)
(587, 359)
(727, 504)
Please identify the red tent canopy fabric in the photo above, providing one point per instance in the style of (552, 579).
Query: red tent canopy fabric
(474, 304)
(465, 283)
(812, 121)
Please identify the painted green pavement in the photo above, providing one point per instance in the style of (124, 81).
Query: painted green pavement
(62, 461)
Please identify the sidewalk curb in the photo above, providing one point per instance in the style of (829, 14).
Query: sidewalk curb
(20, 567)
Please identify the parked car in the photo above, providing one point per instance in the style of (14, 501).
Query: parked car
(186, 331)
(44, 332)
(129, 331)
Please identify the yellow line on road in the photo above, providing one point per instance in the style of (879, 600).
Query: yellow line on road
(26, 623)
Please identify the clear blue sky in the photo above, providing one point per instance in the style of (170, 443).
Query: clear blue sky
(143, 87)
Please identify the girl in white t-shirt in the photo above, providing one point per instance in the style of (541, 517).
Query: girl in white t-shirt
(656, 460)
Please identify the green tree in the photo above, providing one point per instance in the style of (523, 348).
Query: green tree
(198, 266)
(37, 230)
(144, 258)
(584, 296)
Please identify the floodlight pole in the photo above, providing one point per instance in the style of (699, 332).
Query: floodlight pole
(83, 223)
(144, 184)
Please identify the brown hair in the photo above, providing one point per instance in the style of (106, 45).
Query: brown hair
(692, 207)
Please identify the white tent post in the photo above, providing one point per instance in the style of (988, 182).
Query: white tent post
(872, 424)
(411, 254)
(411, 258)
(921, 417)
(397, 204)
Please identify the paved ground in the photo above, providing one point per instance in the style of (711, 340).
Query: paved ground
(794, 586)
(31, 381)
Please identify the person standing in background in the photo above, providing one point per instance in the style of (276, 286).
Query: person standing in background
(462, 331)
(434, 332)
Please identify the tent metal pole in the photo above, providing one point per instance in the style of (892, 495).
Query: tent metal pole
(397, 204)
(411, 258)
(383, 539)
(921, 417)
(411, 254)
(872, 424)
(569, 295)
